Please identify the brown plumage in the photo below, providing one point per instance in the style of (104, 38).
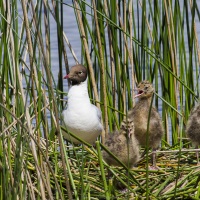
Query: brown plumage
(193, 128)
(123, 145)
(140, 113)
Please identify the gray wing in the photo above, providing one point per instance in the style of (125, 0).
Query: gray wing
(99, 114)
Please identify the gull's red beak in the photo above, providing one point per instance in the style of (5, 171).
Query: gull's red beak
(66, 77)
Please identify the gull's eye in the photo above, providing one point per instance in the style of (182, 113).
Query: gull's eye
(81, 72)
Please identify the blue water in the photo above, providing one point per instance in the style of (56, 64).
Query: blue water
(72, 33)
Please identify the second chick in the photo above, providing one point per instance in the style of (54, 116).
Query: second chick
(123, 145)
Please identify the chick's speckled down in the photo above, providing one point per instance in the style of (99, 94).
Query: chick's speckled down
(123, 145)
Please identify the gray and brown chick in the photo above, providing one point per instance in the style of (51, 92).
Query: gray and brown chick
(123, 145)
(193, 128)
(140, 116)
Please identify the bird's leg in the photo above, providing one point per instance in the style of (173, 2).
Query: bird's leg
(154, 166)
(154, 158)
(197, 155)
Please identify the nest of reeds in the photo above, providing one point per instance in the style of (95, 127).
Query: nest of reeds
(91, 178)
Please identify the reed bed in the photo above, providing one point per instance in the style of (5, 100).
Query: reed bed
(122, 43)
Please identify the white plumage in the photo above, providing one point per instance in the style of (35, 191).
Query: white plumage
(81, 117)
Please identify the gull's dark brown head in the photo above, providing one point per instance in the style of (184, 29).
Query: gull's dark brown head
(145, 90)
(77, 74)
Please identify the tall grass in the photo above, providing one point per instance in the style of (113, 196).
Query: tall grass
(124, 43)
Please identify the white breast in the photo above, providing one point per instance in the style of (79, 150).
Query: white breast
(81, 117)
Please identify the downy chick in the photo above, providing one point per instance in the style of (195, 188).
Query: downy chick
(193, 128)
(123, 145)
(140, 116)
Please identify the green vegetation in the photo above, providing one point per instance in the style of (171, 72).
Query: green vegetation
(126, 42)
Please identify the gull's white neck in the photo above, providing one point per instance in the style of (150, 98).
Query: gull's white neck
(78, 93)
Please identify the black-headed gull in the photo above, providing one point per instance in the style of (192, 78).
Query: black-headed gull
(81, 118)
